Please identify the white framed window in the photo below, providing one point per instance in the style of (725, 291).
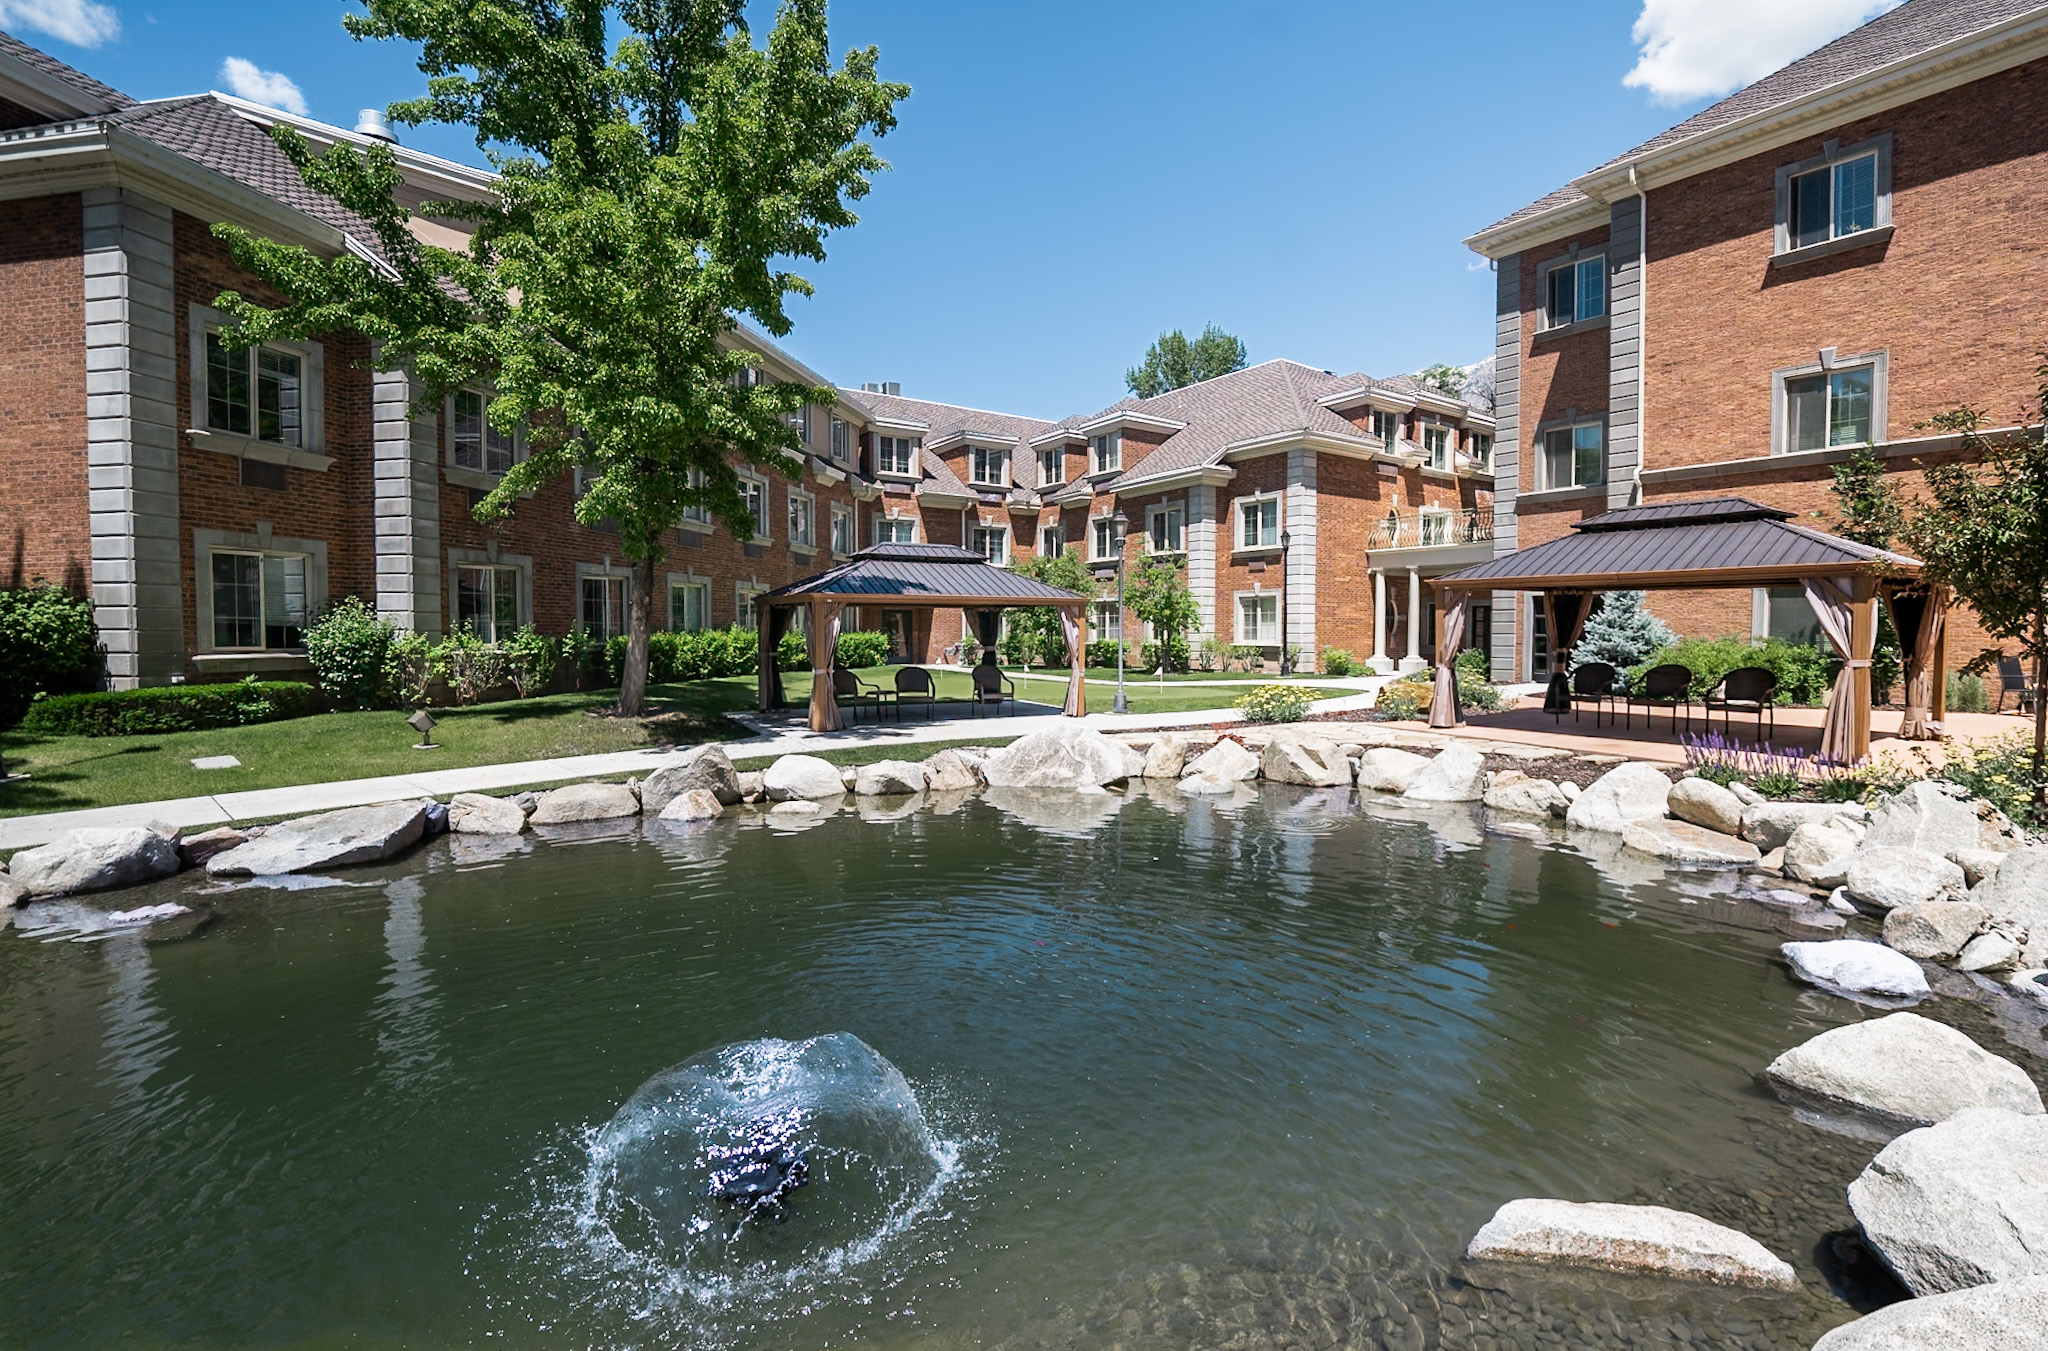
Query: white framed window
(1386, 427)
(803, 520)
(895, 530)
(842, 530)
(1105, 622)
(260, 599)
(1837, 403)
(1106, 452)
(1052, 540)
(896, 455)
(1574, 457)
(601, 599)
(487, 600)
(746, 608)
(993, 543)
(1052, 465)
(842, 440)
(1786, 614)
(1574, 290)
(258, 392)
(689, 605)
(1843, 192)
(473, 443)
(1258, 522)
(1482, 450)
(1102, 541)
(1436, 446)
(755, 492)
(800, 423)
(1258, 618)
(697, 513)
(1165, 529)
(988, 466)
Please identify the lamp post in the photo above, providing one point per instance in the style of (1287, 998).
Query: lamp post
(1123, 525)
(1286, 664)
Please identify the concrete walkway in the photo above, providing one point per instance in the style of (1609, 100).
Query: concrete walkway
(774, 734)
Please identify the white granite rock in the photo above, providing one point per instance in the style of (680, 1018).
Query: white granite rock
(753, 785)
(2017, 894)
(889, 778)
(1624, 795)
(1904, 1068)
(692, 804)
(1526, 797)
(328, 840)
(1644, 1240)
(1770, 824)
(1817, 853)
(1454, 774)
(948, 772)
(1207, 785)
(1702, 802)
(1167, 756)
(1067, 758)
(1988, 953)
(802, 778)
(1961, 1203)
(479, 814)
(1388, 769)
(1688, 845)
(94, 860)
(1225, 760)
(706, 767)
(1850, 966)
(2006, 1315)
(1888, 876)
(1936, 817)
(1306, 763)
(584, 802)
(1935, 932)
(196, 850)
(1977, 864)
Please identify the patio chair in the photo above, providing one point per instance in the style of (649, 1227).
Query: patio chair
(854, 694)
(1667, 686)
(991, 686)
(1594, 683)
(914, 686)
(1746, 689)
(2012, 679)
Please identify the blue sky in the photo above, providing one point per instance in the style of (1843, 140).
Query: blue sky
(1072, 178)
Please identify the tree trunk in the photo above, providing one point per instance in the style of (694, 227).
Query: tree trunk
(639, 629)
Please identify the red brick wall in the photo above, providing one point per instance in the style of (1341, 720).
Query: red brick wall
(1236, 571)
(1558, 373)
(45, 530)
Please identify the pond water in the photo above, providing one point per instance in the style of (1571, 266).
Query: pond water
(1166, 1073)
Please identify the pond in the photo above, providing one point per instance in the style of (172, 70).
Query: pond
(1172, 1074)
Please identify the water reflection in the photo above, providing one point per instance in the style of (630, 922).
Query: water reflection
(1057, 811)
(137, 1035)
(407, 1046)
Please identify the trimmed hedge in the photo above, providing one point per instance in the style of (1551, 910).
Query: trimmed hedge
(168, 708)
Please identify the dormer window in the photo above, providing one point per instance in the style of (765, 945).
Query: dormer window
(1052, 466)
(1106, 452)
(895, 455)
(1386, 427)
(988, 466)
(842, 440)
(1436, 447)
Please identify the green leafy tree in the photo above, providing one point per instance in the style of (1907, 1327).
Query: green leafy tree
(1872, 511)
(1173, 362)
(1158, 594)
(652, 191)
(1040, 631)
(1449, 379)
(1984, 532)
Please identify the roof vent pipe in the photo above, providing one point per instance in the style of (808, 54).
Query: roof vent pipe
(371, 123)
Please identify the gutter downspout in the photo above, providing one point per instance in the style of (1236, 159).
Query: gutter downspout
(1642, 332)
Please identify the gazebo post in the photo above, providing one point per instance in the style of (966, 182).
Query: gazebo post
(1862, 643)
(765, 676)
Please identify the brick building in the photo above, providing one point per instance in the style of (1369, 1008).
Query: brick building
(214, 501)
(1822, 261)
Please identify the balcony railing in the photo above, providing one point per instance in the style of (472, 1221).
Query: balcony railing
(1432, 529)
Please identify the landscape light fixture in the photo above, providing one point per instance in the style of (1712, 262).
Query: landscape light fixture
(1123, 526)
(424, 723)
(1286, 665)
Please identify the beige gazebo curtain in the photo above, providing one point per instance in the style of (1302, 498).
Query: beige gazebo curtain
(1077, 686)
(1920, 615)
(771, 625)
(1443, 703)
(1847, 610)
(1564, 619)
(824, 646)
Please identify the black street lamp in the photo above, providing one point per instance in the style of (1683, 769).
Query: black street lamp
(1123, 525)
(1286, 662)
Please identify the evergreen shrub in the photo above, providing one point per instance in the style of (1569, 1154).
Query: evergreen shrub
(168, 708)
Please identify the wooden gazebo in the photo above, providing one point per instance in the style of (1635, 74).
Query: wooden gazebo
(1722, 542)
(912, 577)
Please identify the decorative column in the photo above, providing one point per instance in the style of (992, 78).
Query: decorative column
(1379, 663)
(1413, 661)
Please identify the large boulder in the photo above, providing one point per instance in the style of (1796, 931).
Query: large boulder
(1072, 757)
(1702, 802)
(1644, 1240)
(1935, 932)
(1226, 760)
(706, 767)
(1890, 876)
(2007, 1314)
(1309, 764)
(1770, 824)
(1388, 769)
(1851, 966)
(478, 814)
(1936, 817)
(753, 785)
(328, 840)
(1208, 785)
(94, 860)
(1817, 853)
(12, 893)
(1618, 799)
(948, 772)
(1525, 796)
(196, 850)
(803, 778)
(1903, 1068)
(2017, 896)
(1988, 953)
(1688, 845)
(1454, 774)
(1961, 1203)
(585, 802)
(696, 804)
(1168, 754)
(889, 778)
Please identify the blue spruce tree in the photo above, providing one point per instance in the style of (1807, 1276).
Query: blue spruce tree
(1621, 633)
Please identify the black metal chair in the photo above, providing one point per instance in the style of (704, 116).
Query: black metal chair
(991, 686)
(2012, 679)
(1746, 689)
(1594, 683)
(1667, 686)
(914, 686)
(854, 693)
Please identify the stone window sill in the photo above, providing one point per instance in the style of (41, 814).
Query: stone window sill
(247, 448)
(1563, 494)
(1566, 330)
(1862, 239)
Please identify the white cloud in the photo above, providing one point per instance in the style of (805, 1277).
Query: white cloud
(1696, 48)
(272, 88)
(82, 23)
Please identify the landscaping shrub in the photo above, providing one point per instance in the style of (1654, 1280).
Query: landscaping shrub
(48, 646)
(1966, 694)
(168, 708)
(1400, 701)
(350, 648)
(412, 665)
(1805, 674)
(1175, 654)
(1101, 652)
(1479, 695)
(1211, 654)
(1338, 662)
(1474, 664)
(1246, 657)
(1019, 646)
(473, 667)
(1276, 703)
(862, 648)
(2001, 771)
(530, 658)
(792, 654)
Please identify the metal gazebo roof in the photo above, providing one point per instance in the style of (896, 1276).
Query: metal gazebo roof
(921, 575)
(1709, 542)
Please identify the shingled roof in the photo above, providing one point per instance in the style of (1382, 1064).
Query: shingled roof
(1914, 27)
(85, 86)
